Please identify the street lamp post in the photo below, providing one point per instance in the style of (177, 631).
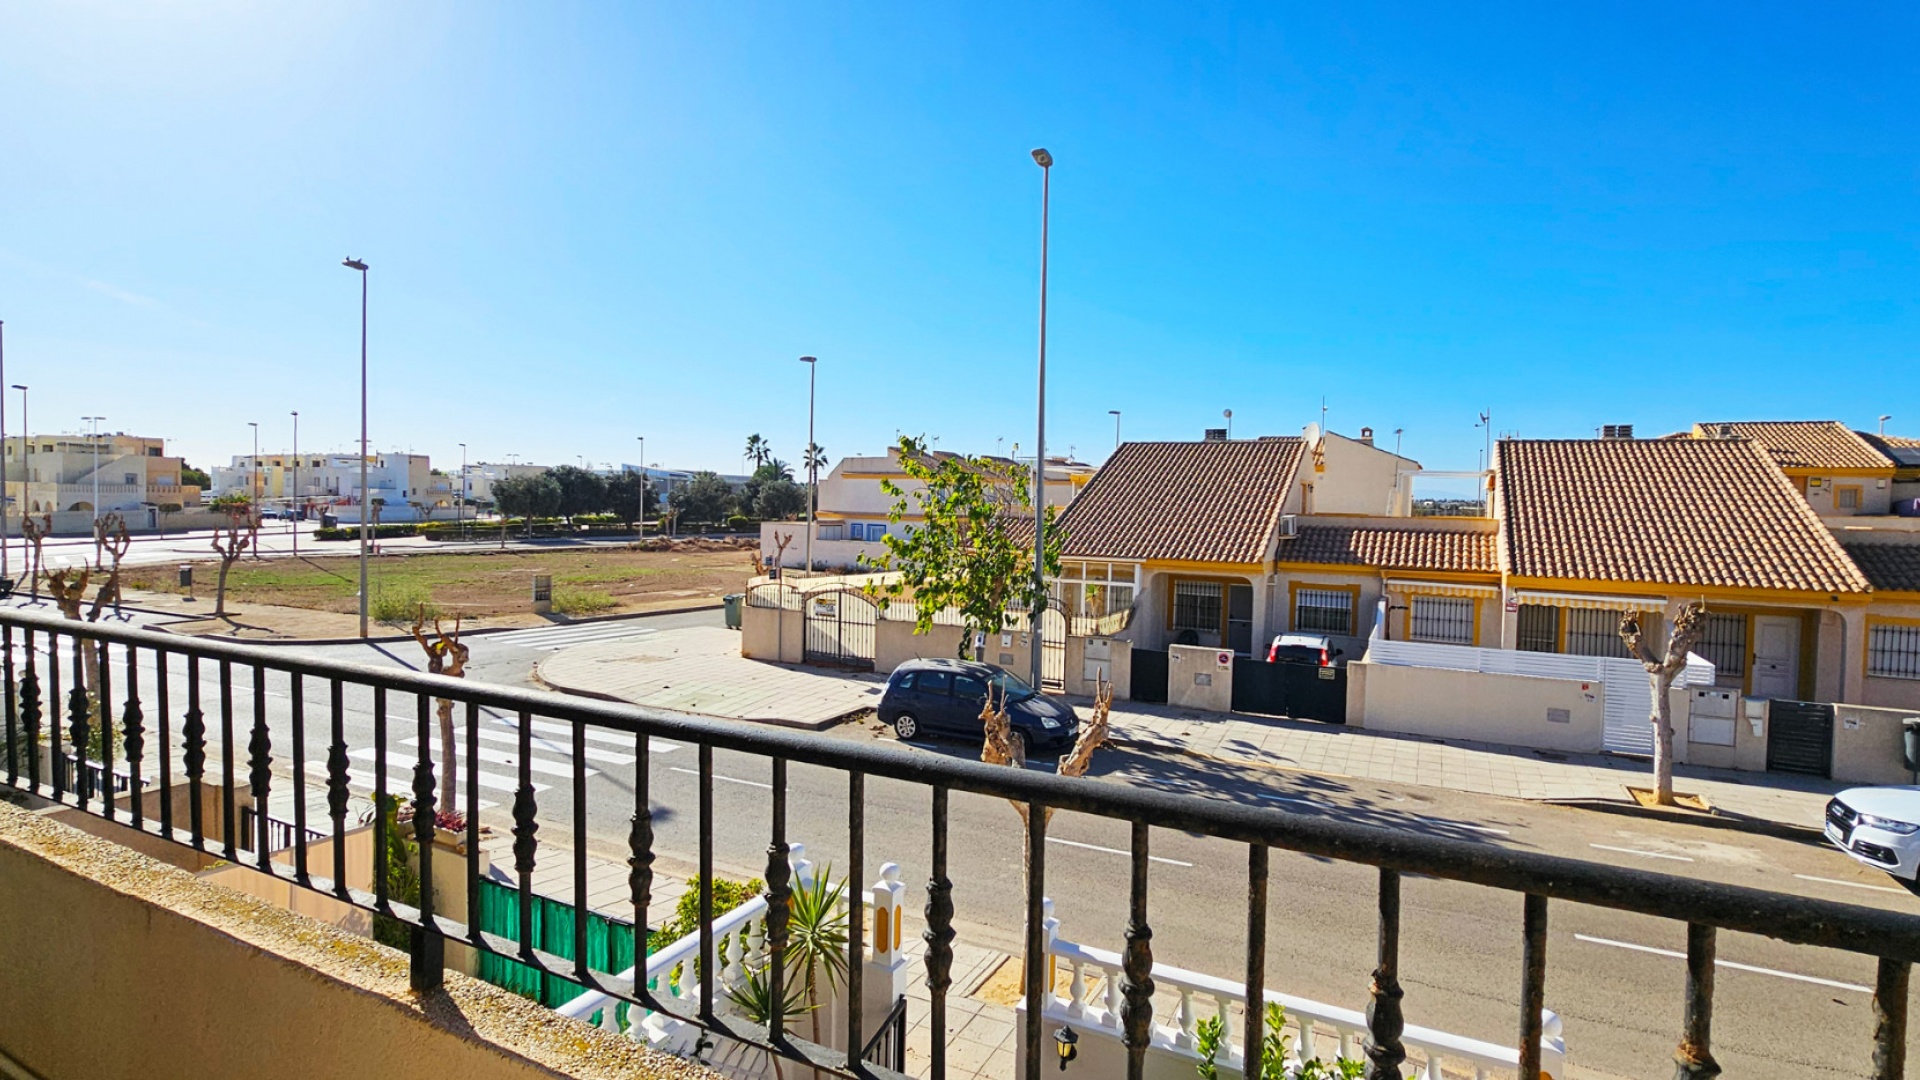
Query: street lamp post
(254, 495)
(1045, 161)
(358, 265)
(94, 438)
(1115, 413)
(813, 368)
(26, 462)
(4, 573)
(295, 502)
(643, 485)
(463, 487)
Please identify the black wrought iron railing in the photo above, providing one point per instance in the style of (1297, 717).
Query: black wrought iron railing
(168, 734)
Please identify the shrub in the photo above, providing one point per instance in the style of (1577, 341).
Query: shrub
(727, 895)
(581, 601)
(401, 602)
(352, 532)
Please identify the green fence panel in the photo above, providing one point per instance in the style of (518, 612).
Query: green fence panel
(610, 945)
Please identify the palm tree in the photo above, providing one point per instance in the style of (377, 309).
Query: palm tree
(816, 458)
(758, 451)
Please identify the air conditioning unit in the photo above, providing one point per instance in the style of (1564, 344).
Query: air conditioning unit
(1215, 434)
(1289, 526)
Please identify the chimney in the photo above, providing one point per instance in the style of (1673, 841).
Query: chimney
(1616, 431)
(1215, 434)
(1366, 436)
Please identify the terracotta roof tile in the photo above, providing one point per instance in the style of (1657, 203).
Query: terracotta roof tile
(1890, 567)
(1391, 548)
(1196, 501)
(1808, 444)
(1710, 512)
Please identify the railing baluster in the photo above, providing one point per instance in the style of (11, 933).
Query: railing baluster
(1036, 943)
(1890, 1019)
(580, 966)
(78, 732)
(779, 896)
(1533, 981)
(856, 912)
(260, 769)
(1384, 1020)
(1257, 881)
(56, 748)
(162, 676)
(337, 783)
(427, 962)
(133, 729)
(939, 938)
(100, 719)
(525, 825)
(30, 713)
(296, 689)
(380, 801)
(473, 822)
(1136, 1016)
(228, 795)
(1694, 1058)
(194, 735)
(706, 882)
(13, 731)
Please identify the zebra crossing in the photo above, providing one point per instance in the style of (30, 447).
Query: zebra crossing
(553, 638)
(497, 770)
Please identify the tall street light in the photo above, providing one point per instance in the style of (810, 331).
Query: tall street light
(1115, 413)
(356, 264)
(813, 368)
(3, 444)
(294, 503)
(643, 485)
(95, 439)
(463, 485)
(1045, 161)
(26, 461)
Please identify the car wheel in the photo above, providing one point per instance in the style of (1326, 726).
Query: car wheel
(905, 726)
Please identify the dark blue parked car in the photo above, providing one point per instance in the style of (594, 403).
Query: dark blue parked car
(945, 697)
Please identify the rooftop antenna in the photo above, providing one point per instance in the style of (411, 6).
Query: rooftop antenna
(1486, 421)
(1323, 414)
(1883, 423)
(1397, 432)
(1228, 413)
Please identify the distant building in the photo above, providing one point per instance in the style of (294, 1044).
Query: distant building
(52, 473)
(404, 484)
(482, 475)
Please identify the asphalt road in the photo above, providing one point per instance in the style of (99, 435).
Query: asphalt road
(1616, 979)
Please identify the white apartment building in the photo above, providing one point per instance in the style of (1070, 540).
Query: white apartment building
(54, 473)
(405, 485)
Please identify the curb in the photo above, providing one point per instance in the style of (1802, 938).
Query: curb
(390, 639)
(596, 695)
(1717, 819)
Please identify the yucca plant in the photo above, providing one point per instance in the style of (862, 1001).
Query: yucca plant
(755, 1001)
(817, 939)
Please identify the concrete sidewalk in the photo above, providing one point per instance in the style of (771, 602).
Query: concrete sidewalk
(1482, 768)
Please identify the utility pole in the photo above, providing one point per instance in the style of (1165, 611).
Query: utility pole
(813, 476)
(1045, 161)
(95, 439)
(356, 264)
(299, 512)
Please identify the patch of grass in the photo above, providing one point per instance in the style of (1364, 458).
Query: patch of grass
(582, 601)
(401, 602)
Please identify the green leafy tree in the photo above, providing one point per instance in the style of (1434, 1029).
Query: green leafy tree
(707, 498)
(529, 496)
(581, 491)
(624, 493)
(192, 477)
(973, 550)
(779, 500)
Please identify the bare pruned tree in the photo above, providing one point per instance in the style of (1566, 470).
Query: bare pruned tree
(35, 534)
(230, 541)
(445, 656)
(1661, 671)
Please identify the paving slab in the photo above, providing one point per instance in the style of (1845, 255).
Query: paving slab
(700, 670)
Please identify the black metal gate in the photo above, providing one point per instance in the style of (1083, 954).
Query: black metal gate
(1800, 738)
(1149, 681)
(1299, 691)
(839, 629)
(1053, 649)
(887, 1047)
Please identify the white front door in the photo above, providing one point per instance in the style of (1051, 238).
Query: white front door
(1776, 657)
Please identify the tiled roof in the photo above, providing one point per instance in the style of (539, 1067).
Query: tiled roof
(1394, 548)
(1808, 444)
(1710, 512)
(1890, 567)
(1196, 501)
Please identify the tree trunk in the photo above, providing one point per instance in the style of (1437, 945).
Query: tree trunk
(220, 595)
(449, 762)
(1662, 717)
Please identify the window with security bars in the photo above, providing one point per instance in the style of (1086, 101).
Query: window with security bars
(1594, 632)
(1539, 628)
(1723, 643)
(1447, 620)
(1196, 606)
(1328, 611)
(1893, 652)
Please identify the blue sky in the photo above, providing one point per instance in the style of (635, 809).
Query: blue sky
(589, 223)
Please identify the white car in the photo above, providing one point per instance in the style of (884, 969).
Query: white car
(1879, 826)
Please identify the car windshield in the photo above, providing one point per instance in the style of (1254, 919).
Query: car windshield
(1011, 685)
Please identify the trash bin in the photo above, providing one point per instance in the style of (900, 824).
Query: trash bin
(732, 600)
(186, 582)
(1911, 729)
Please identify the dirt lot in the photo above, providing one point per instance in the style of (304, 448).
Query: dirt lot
(595, 582)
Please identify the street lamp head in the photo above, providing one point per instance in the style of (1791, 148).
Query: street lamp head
(17, 386)
(809, 360)
(354, 264)
(1113, 412)
(1042, 158)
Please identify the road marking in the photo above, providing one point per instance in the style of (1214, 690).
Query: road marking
(398, 784)
(1463, 825)
(615, 738)
(717, 776)
(501, 757)
(1637, 851)
(1114, 851)
(367, 753)
(1848, 884)
(1727, 964)
(546, 745)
